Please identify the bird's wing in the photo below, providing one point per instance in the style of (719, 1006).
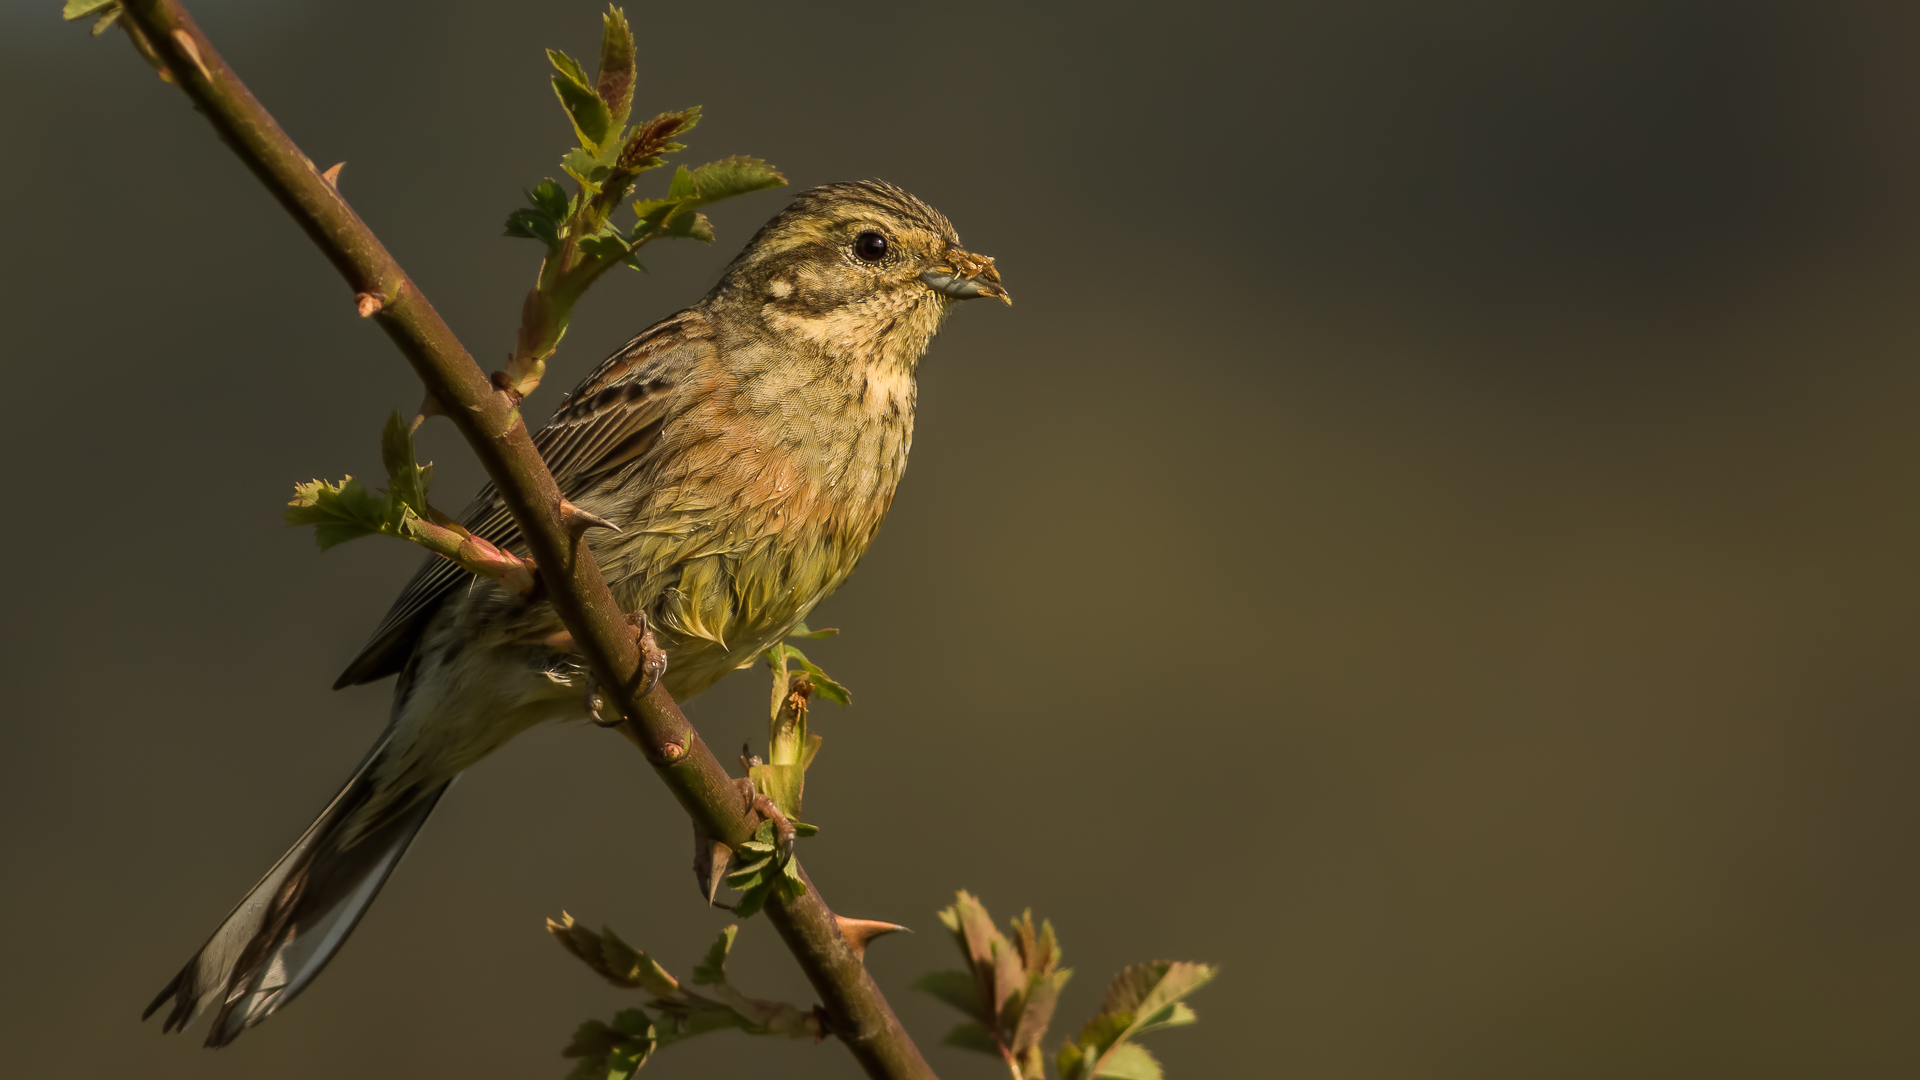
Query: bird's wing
(607, 421)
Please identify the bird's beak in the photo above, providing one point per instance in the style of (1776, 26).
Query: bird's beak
(966, 276)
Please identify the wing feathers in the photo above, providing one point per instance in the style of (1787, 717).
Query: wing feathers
(613, 417)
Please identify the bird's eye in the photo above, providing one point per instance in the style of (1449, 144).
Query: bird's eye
(871, 246)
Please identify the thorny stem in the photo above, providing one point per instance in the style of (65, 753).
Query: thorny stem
(856, 1010)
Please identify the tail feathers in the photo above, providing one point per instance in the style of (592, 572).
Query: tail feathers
(287, 928)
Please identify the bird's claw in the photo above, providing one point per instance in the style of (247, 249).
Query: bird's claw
(653, 659)
(784, 833)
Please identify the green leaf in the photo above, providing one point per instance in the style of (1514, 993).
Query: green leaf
(752, 900)
(653, 138)
(721, 179)
(590, 116)
(784, 784)
(1101, 1032)
(611, 1053)
(823, 684)
(713, 970)
(1071, 1061)
(584, 166)
(725, 179)
(533, 225)
(689, 226)
(406, 480)
(1147, 989)
(801, 631)
(544, 217)
(633, 1023)
(615, 82)
(606, 244)
(339, 512)
(791, 883)
(1178, 1014)
(568, 66)
(1130, 1061)
(80, 9)
(550, 199)
(1036, 1009)
(956, 988)
(635, 966)
(973, 1037)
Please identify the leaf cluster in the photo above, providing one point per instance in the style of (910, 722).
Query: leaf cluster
(345, 510)
(616, 1050)
(1141, 999)
(1009, 989)
(1013, 984)
(578, 230)
(765, 869)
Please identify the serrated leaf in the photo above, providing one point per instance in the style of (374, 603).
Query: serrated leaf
(655, 137)
(591, 119)
(339, 512)
(973, 1037)
(752, 900)
(689, 226)
(614, 84)
(652, 213)
(725, 179)
(531, 224)
(606, 244)
(1146, 989)
(1071, 1061)
(713, 969)
(1130, 1061)
(406, 480)
(583, 165)
(633, 1023)
(568, 66)
(592, 1039)
(1036, 1010)
(956, 988)
(550, 199)
(792, 884)
(1103, 1031)
(1178, 1014)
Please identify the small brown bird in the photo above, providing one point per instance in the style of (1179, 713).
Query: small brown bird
(747, 448)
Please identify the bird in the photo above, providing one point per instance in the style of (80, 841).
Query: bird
(746, 449)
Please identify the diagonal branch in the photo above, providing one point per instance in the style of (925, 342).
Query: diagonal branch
(858, 1013)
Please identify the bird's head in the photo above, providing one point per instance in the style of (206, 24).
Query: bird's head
(859, 267)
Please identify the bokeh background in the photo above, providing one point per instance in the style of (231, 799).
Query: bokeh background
(1436, 534)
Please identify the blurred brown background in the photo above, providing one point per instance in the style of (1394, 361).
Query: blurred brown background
(1436, 534)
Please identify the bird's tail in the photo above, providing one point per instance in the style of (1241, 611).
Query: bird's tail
(290, 924)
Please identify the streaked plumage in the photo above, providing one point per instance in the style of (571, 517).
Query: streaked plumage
(748, 448)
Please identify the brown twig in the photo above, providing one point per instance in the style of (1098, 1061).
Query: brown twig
(856, 1010)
